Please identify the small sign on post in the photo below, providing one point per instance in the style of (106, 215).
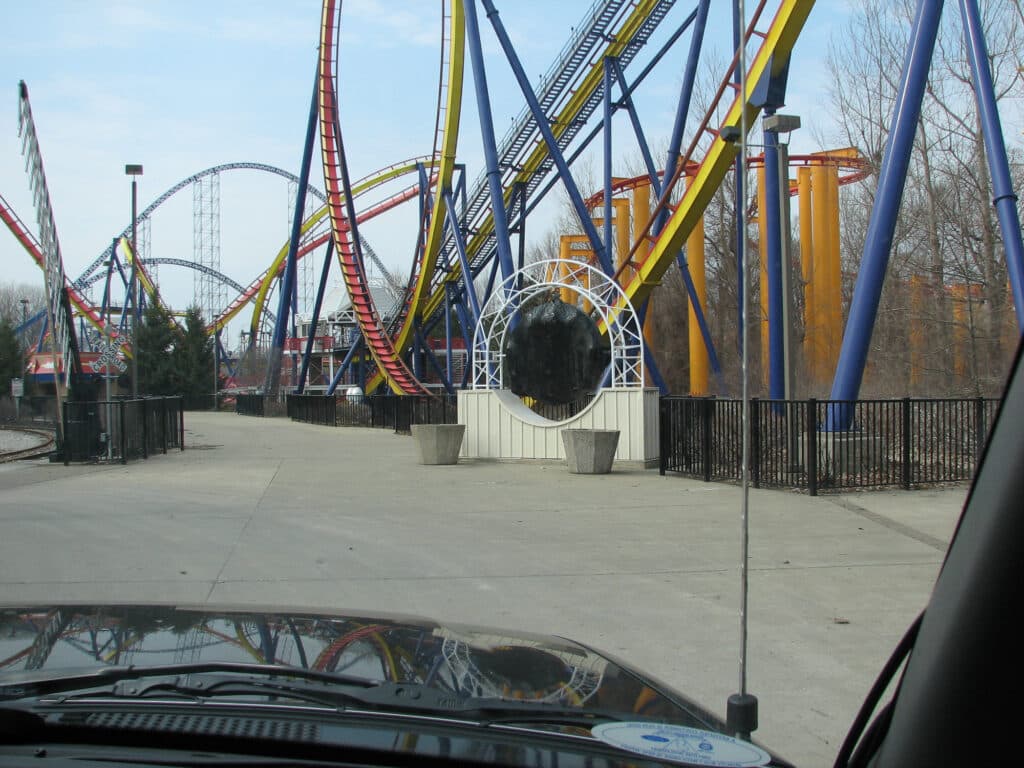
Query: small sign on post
(109, 358)
(17, 387)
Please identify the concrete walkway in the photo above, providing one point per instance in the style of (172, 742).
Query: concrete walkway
(264, 511)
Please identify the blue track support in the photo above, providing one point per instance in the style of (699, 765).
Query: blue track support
(878, 244)
(447, 335)
(23, 328)
(773, 225)
(634, 118)
(487, 137)
(357, 345)
(1004, 197)
(544, 126)
(315, 319)
(460, 248)
(585, 142)
(288, 282)
(675, 142)
(609, 268)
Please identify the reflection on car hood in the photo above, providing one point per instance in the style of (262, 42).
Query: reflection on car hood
(470, 661)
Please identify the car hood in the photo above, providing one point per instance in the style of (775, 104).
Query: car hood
(45, 641)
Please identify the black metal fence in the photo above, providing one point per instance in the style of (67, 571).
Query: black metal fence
(827, 444)
(384, 412)
(119, 430)
(250, 404)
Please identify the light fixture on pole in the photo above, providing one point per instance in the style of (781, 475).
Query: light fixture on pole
(134, 170)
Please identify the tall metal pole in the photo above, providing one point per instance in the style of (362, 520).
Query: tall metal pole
(741, 708)
(134, 170)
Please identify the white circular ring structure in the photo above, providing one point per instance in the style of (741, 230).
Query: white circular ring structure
(610, 307)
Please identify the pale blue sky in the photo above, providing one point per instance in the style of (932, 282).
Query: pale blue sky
(181, 86)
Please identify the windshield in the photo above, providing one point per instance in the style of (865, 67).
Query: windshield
(455, 344)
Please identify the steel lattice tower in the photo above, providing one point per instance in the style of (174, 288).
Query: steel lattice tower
(144, 235)
(209, 293)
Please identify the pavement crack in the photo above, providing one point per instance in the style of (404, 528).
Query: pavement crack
(892, 525)
(241, 533)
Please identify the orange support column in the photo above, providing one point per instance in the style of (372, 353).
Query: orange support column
(564, 252)
(641, 215)
(822, 239)
(803, 177)
(699, 365)
(834, 304)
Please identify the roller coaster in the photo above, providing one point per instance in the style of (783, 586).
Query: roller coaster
(632, 229)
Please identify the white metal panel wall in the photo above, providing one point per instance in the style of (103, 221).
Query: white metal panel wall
(499, 426)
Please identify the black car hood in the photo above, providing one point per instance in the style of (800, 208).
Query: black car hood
(41, 642)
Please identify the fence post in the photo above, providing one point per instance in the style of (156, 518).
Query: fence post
(163, 423)
(905, 428)
(707, 416)
(755, 440)
(64, 423)
(812, 446)
(124, 435)
(981, 429)
(145, 428)
(181, 422)
(662, 436)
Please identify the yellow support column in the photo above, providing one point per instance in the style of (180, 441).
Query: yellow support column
(762, 251)
(803, 179)
(621, 222)
(698, 352)
(564, 251)
(822, 265)
(835, 273)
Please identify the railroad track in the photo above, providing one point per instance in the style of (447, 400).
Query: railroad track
(40, 449)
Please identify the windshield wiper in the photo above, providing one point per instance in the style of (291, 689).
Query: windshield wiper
(203, 681)
(111, 675)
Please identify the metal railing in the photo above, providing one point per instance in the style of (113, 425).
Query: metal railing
(119, 430)
(249, 404)
(383, 412)
(798, 443)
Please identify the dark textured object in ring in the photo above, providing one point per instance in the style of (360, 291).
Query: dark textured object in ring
(555, 354)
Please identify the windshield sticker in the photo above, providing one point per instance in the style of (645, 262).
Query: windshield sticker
(686, 745)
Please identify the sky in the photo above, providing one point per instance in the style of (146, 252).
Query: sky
(181, 86)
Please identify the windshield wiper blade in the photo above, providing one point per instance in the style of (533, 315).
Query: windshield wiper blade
(110, 675)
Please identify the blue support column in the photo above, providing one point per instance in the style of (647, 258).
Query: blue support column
(544, 126)
(634, 118)
(288, 280)
(773, 224)
(460, 248)
(1004, 198)
(315, 319)
(609, 268)
(487, 138)
(339, 374)
(447, 335)
(878, 244)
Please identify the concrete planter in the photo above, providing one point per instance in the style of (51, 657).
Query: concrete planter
(439, 443)
(590, 451)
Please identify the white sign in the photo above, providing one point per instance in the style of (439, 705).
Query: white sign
(109, 358)
(17, 387)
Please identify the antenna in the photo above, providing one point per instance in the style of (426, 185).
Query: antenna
(741, 712)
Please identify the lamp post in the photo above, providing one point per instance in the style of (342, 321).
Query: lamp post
(134, 170)
(783, 125)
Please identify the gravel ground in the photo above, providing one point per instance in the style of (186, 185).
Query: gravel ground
(11, 440)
